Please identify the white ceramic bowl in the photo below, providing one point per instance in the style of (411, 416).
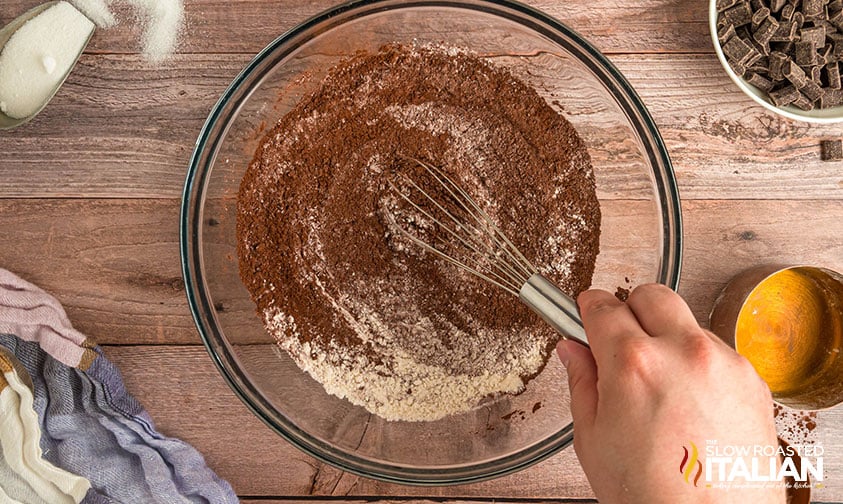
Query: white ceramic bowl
(826, 116)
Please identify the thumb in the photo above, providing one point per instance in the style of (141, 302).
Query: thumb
(582, 381)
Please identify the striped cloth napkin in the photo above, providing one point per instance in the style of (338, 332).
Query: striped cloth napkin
(69, 430)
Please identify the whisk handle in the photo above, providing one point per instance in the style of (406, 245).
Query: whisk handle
(554, 306)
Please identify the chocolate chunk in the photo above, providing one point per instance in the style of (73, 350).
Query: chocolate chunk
(785, 33)
(794, 74)
(761, 66)
(805, 54)
(738, 15)
(784, 47)
(765, 31)
(738, 67)
(816, 74)
(736, 49)
(832, 150)
(812, 90)
(832, 73)
(763, 50)
(776, 5)
(759, 16)
(787, 12)
(759, 81)
(784, 96)
(812, 9)
(799, 19)
(831, 98)
(755, 54)
(824, 54)
(725, 4)
(814, 34)
(777, 61)
(803, 102)
(725, 33)
(837, 20)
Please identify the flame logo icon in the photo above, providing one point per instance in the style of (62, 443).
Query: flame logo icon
(689, 461)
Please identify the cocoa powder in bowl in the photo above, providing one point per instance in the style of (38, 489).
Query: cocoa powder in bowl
(367, 313)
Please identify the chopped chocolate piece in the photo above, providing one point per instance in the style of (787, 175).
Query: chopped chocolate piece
(812, 90)
(757, 4)
(803, 102)
(738, 15)
(777, 61)
(799, 19)
(765, 31)
(832, 73)
(725, 33)
(824, 54)
(794, 74)
(784, 47)
(805, 54)
(812, 9)
(835, 6)
(759, 16)
(832, 150)
(759, 81)
(763, 49)
(738, 67)
(755, 54)
(816, 72)
(784, 96)
(725, 4)
(761, 66)
(837, 20)
(787, 12)
(815, 34)
(831, 98)
(736, 49)
(782, 33)
(776, 5)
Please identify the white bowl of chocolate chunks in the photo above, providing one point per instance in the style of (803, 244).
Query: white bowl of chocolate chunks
(787, 55)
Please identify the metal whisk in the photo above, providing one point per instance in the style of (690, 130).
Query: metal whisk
(489, 254)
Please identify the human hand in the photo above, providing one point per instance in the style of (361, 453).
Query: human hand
(652, 383)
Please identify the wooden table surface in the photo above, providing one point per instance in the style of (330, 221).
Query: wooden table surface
(90, 191)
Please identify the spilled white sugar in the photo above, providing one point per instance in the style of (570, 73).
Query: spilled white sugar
(97, 11)
(161, 21)
(38, 55)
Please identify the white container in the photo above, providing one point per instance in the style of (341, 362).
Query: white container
(824, 116)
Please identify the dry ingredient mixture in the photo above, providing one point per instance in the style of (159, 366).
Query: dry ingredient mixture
(366, 312)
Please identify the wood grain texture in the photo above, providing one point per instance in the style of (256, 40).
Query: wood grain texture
(188, 399)
(133, 131)
(410, 500)
(115, 263)
(246, 26)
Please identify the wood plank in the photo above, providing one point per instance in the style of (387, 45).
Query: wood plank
(188, 399)
(408, 500)
(248, 25)
(133, 131)
(115, 263)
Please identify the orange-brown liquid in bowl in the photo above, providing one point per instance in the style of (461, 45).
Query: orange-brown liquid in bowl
(790, 328)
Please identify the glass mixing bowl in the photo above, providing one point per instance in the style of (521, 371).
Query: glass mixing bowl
(641, 237)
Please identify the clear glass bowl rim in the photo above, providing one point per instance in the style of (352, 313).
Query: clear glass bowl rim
(191, 248)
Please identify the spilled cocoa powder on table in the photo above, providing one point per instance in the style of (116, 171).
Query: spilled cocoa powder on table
(355, 303)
